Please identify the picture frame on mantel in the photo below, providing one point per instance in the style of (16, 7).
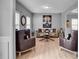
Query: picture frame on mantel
(47, 21)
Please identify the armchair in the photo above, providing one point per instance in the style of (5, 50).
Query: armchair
(23, 41)
(71, 42)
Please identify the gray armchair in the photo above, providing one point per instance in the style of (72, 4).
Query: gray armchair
(71, 42)
(23, 41)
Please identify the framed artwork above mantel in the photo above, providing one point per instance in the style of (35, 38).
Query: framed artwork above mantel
(47, 21)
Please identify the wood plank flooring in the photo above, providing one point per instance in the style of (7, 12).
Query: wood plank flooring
(47, 50)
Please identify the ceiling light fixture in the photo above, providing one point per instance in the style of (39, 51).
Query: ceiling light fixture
(46, 7)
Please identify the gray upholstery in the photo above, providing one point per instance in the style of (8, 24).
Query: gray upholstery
(23, 40)
(72, 43)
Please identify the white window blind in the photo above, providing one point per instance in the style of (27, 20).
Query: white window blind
(28, 22)
(17, 18)
(74, 24)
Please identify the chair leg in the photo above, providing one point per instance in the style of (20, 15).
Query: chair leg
(19, 53)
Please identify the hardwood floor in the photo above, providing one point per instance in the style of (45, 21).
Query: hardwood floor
(47, 50)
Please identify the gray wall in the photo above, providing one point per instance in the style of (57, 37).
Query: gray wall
(72, 15)
(23, 11)
(65, 17)
(38, 20)
(69, 17)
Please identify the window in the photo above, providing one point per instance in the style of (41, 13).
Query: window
(74, 24)
(28, 22)
(17, 18)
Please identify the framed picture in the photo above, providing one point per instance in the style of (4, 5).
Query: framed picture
(47, 19)
(68, 23)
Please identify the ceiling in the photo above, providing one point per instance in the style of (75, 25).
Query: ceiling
(47, 6)
(75, 10)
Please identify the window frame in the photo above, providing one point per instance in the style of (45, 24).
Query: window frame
(27, 23)
(76, 25)
(18, 24)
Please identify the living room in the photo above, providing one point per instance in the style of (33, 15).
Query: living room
(43, 34)
(39, 29)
